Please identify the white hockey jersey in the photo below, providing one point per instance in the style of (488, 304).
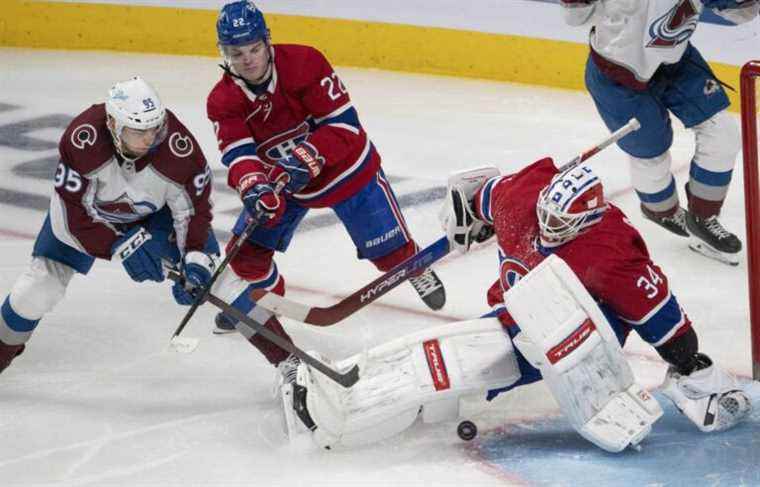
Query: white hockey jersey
(630, 39)
(97, 197)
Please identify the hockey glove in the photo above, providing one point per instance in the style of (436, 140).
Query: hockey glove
(260, 199)
(140, 256)
(197, 268)
(297, 171)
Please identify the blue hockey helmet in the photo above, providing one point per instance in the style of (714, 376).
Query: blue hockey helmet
(240, 23)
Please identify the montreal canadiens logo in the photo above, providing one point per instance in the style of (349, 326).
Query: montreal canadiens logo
(83, 136)
(511, 272)
(180, 146)
(281, 145)
(676, 26)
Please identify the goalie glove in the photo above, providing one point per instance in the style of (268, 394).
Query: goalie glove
(459, 221)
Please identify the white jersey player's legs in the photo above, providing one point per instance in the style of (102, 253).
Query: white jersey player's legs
(718, 142)
(425, 373)
(568, 338)
(230, 287)
(653, 176)
(34, 293)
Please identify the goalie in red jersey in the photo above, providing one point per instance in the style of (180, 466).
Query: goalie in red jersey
(283, 118)
(575, 278)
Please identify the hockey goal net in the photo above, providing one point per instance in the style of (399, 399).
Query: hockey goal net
(750, 112)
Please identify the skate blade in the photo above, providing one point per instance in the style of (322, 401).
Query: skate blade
(708, 251)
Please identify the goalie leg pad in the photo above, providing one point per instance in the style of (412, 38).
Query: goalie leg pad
(710, 397)
(568, 338)
(428, 371)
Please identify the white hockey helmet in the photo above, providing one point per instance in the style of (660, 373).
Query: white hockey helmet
(572, 201)
(136, 105)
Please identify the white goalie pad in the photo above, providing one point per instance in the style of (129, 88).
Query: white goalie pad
(422, 373)
(456, 216)
(567, 337)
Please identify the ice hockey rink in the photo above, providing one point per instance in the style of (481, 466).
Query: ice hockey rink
(97, 400)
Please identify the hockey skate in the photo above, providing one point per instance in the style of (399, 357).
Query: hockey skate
(675, 223)
(430, 289)
(708, 396)
(710, 238)
(224, 324)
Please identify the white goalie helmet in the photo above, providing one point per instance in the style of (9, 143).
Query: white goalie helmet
(572, 201)
(134, 104)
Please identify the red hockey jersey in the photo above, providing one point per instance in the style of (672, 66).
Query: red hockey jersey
(97, 196)
(304, 101)
(610, 257)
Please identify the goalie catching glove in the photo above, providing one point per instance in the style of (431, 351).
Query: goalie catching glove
(459, 221)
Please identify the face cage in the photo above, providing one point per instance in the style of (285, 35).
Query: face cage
(120, 146)
(557, 227)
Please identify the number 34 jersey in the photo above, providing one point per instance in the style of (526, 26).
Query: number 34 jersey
(305, 102)
(98, 196)
(610, 257)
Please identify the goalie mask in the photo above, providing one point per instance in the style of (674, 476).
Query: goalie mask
(571, 202)
(136, 118)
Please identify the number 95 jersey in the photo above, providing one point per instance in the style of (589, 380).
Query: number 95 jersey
(98, 196)
(610, 257)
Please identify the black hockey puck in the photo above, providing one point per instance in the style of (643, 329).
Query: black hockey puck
(467, 430)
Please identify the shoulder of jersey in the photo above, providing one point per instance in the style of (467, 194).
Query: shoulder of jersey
(86, 143)
(295, 61)
(180, 154)
(223, 95)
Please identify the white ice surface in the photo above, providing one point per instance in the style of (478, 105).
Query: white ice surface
(96, 400)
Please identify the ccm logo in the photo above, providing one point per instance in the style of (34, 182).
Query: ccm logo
(389, 282)
(436, 365)
(572, 342)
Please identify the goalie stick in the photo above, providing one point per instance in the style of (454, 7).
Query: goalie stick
(319, 316)
(330, 315)
(345, 379)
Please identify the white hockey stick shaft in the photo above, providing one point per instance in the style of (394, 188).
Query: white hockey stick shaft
(632, 126)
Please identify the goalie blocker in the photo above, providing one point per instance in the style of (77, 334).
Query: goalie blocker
(565, 335)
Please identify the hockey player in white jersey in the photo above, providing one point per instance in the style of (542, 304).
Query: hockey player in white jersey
(642, 65)
(132, 185)
(561, 247)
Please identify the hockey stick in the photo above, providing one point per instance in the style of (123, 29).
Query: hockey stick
(318, 316)
(330, 315)
(346, 379)
(175, 342)
(632, 126)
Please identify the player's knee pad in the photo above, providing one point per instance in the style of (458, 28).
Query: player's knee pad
(568, 338)
(718, 142)
(422, 373)
(651, 175)
(34, 293)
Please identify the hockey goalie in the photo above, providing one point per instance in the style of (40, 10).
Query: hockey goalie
(575, 278)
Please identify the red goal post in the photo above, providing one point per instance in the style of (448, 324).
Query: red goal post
(750, 111)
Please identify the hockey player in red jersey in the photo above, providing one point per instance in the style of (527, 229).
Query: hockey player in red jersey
(132, 184)
(283, 116)
(575, 278)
